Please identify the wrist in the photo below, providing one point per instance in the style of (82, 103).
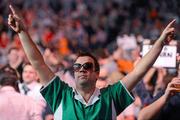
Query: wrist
(162, 42)
(165, 97)
(22, 28)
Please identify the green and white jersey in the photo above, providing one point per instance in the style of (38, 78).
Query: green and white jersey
(67, 104)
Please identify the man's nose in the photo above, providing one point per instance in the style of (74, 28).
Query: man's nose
(82, 69)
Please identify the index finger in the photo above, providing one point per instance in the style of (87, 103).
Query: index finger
(170, 24)
(176, 79)
(12, 9)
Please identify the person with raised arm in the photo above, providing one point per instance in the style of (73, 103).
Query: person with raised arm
(85, 101)
(166, 107)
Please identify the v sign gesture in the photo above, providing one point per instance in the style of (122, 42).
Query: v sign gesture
(15, 20)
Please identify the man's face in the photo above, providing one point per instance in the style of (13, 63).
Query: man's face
(29, 74)
(84, 71)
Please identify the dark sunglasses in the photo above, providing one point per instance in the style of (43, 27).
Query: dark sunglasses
(86, 66)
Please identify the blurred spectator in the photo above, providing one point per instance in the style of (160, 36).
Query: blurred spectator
(14, 106)
(31, 87)
(16, 60)
(166, 105)
(4, 40)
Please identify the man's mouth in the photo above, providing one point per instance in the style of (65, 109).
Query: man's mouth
(83, 76)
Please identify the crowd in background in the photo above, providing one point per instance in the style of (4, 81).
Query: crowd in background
(114, 30)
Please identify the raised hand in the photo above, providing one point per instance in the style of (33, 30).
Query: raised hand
(173, 87)
(168, 33)
(15, 20)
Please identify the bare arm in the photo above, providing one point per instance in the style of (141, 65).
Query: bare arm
(151, 111)
(148, 60)
(35, 58)
(32, 52)
(148, 76)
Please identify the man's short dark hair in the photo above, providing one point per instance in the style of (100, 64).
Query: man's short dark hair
(8, 76)
(82, 53)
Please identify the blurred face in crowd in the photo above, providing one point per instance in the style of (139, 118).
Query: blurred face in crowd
(118, 54)
(13, 55)
(84, 71)
(29, 74)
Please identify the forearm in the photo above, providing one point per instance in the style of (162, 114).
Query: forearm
(148, 60)
(151, 111)
(35, 58)
(32, 52)
(148, 76)
(143, 66)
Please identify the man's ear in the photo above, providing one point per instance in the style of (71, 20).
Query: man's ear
(97, 74)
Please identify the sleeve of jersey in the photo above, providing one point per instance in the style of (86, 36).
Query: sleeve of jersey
(121, 97)
(53, 92)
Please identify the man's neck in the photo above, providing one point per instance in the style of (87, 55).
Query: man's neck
(86, 93)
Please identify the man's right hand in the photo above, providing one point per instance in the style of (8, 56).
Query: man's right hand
(15, 20)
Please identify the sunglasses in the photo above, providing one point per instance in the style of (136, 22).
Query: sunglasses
(86, 66)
